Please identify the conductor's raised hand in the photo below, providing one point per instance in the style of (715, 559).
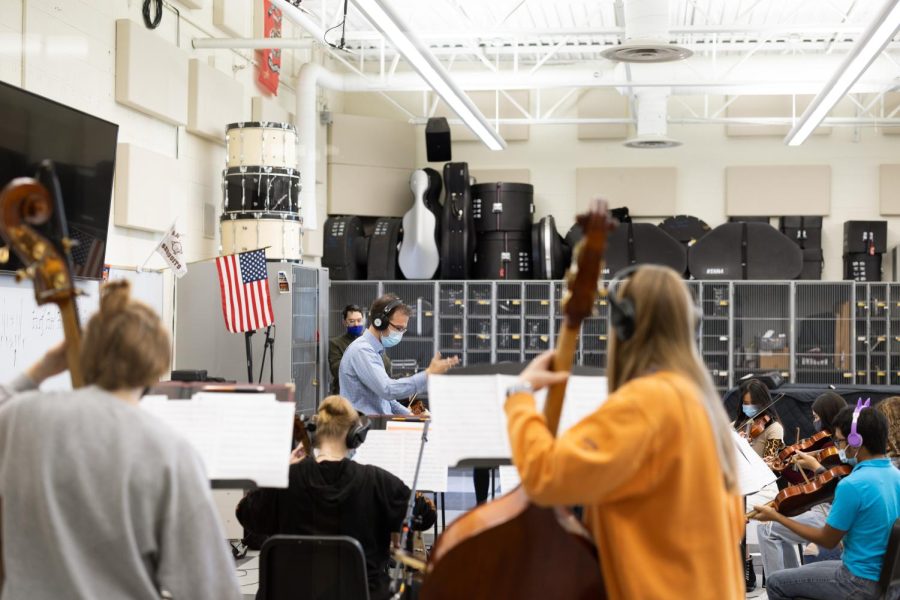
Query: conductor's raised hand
(441, 365)
(52, 363)
(539, 373)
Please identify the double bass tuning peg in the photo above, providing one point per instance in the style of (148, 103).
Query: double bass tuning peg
(26, 273)
(4, 254)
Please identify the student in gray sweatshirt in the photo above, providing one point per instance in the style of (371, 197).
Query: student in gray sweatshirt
(100, 499)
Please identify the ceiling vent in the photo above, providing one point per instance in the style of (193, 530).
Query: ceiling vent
(651, 120)
(647, 35)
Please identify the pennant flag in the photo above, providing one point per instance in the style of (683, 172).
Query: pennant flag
(244, 282)
(172, 251)
(270, 65)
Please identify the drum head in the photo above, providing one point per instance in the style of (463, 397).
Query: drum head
(260, 125)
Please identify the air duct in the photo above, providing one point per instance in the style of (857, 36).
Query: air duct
(647, 35)
(652, 113)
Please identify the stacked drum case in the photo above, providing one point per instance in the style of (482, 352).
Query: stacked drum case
(806, 232)
(261, 190)
(502, 213)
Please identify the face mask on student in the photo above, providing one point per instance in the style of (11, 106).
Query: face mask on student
(750, 410)
(817, 423)
(391, 340)
(850, 460)
(355, 330)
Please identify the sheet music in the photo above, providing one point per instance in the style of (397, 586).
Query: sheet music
(238, 436)
(753, 473)
(396, 450)
(469, 411)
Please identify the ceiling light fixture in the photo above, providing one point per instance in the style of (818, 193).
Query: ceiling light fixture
(385, 20)
(866, 50)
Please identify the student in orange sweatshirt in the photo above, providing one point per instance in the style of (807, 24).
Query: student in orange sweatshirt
(653, 467)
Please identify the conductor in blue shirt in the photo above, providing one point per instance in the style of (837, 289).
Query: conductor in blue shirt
(362, 376)
(866, 504)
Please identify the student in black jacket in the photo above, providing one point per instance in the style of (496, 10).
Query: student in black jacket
(329, 494)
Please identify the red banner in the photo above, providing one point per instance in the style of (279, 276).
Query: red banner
(270, 65)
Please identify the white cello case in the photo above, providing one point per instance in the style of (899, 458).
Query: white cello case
(419, 256)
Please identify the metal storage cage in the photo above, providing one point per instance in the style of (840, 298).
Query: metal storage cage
(810, 331)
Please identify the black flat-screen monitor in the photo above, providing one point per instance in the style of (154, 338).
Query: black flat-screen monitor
(83, 150)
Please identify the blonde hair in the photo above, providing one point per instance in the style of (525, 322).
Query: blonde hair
(125, 344)
(335, 418)
(664, 339)
(890, 408)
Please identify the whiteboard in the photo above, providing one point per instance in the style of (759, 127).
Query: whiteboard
(146, 286)
(27, 330)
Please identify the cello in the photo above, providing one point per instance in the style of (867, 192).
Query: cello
(508, 548)
(24, 204)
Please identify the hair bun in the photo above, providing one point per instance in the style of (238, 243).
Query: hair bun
(115, 296)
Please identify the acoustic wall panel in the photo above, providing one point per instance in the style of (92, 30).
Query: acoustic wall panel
(368, 191)
(233, 16)
(784, 190)
(371, 141)
(646, 191)
(508, 175)
(214, 100)
(151, 73)
(266, 109)
(889, 190)
(143, 188)
(603, 104)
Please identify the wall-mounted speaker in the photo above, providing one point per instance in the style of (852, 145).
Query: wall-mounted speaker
(437, 140)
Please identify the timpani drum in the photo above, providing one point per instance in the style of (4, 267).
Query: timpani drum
(281, 235)
(261, 143)
(261, 189)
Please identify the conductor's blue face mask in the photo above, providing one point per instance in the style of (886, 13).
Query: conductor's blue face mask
(356, 330)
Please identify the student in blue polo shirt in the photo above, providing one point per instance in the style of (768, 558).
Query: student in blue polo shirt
(866, 504)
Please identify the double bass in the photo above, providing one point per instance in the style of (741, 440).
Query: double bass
(512, 548)
(24, 204)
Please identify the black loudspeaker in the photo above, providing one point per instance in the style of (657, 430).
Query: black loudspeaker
(745, 251)
(865, 236)
(384, 249)
(437, 140)
(344, 242)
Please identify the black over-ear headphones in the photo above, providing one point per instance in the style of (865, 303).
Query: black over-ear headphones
(381, 320)
(621, 310)
(356, 435)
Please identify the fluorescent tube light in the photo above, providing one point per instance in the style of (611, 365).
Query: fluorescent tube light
(866, 50)
(385, 20)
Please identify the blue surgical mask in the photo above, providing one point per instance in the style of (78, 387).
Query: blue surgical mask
(391, 340)
(355, 330)
(850, 460)
(817, 423)
(750, 410)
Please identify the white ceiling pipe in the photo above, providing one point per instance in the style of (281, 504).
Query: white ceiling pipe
(647, 20)
(252, 43)
(310, 77)
(301, 18)
(652, 110)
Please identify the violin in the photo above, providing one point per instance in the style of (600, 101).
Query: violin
(301, 435)
(814, 442)
(24, 204)
(799, 498)
(790, 471)
(510, 547)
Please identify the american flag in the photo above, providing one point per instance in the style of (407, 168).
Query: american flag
(244, 282)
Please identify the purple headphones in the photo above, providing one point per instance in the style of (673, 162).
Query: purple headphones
(854, 439)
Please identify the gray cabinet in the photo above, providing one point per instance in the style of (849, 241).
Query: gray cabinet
(301, 311)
